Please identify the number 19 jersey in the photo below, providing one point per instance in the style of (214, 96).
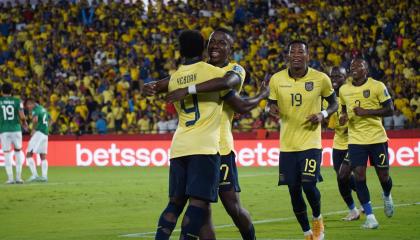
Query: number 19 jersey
(9, 114)
(297, 99)
(199, 114)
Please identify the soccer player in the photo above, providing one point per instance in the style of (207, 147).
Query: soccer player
(296, 95)
(219, 51)
(39, 140)
(364, 102)
(345, 178)
(12, 118)
(194, 168)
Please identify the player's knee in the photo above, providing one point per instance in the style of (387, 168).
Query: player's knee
(199, 203)
(359, 174)
(383, 176)
(309, 186)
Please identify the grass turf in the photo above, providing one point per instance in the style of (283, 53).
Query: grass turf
(106, 203)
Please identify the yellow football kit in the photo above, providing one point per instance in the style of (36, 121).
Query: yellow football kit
(341, 135)
(296, 100)
(198, 130)
(365, 129)
(226, 137)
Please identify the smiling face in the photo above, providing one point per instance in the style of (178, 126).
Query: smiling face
(338, 77)
(298, 56)
(358, 70)
(219, 47)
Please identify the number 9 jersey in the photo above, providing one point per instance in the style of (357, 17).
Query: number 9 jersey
(198, 130)
(296, 100)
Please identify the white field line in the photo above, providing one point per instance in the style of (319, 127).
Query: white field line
(273, 220)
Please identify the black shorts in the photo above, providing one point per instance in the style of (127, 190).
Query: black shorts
(340, 157)
(228, 173)
(296, 167)
(195, 176)
(377, 154)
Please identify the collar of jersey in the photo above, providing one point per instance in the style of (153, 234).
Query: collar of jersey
(297, 79)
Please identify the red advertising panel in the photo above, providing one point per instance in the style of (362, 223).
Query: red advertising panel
(142, 153)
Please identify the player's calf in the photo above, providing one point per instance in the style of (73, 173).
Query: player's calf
(239, 215)
(168, 219)
(8, 166)
(194, 219)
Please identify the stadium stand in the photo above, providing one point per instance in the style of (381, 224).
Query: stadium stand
(88, 62)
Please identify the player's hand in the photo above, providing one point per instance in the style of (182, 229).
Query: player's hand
(264, 90)
(315, 118)
(177, 95)
(359, 111)
(149, 89)
(274, 111)
(343, 119)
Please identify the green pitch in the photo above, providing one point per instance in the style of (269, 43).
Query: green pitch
(108, 203)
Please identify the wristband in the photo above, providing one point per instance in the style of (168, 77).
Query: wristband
(324, 113)
(192, 89)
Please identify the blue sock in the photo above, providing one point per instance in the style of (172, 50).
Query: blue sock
(351, 207)
(387, 186)
(191, 227)
(299, 206)
(313, 196)
(368, 208)
(166, 227)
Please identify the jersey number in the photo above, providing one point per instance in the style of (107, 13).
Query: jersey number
(296, 99)
(8, 113)
(226, 167)
(194, 109)
(310, 165)
(44, 120)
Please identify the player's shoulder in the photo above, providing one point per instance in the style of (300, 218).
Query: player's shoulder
(233, 66)
(283, 74)
(317, 75)
(376, 83)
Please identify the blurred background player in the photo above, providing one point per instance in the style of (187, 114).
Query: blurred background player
(219, 51)
(39, 140)
(296, 95)
(12, 118)
(364, 102)
(195, 162)
(345, 178)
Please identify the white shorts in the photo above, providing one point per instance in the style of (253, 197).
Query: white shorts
(9, 138)
(38, 143)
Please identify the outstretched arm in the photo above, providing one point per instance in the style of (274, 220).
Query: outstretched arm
(228, 81)
(386, 110)
(156, 87)
(243, 105)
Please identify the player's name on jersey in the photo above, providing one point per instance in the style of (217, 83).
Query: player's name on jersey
(187, 79)
(7, 102)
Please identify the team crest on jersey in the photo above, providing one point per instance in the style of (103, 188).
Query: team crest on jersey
(366, 93)
(309, 86)
(237, 69)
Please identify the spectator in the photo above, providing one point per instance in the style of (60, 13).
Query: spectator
(400, 121)
(101, 126)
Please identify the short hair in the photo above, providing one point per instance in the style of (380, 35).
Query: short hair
(224, 30)
(297, 41)
(7, 88)
(191, 43)
(30, 100)
(362, 60)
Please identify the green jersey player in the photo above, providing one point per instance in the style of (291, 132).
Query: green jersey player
(39, 140)
(12, 118)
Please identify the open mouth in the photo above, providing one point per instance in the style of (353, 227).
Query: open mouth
(214, 53)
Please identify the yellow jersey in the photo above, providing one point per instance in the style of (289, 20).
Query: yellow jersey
(199, 115)
(226, 137)
(341, 134)
(296, 100)
(365, 129)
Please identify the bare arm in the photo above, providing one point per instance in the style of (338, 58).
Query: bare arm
(332, 108)
(243, 105)
(23, 121)
(273, 108)
(343, 115)
(156, 87)
(228, 81)
(386, 110)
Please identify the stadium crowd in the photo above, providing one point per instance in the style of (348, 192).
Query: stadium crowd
(86, 63)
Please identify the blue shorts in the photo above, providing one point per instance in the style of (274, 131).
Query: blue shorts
(340, 157)
(228, 174)
(298, 167)
(376, 153)
(195, 176)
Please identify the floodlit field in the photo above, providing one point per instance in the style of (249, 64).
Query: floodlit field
(124, 203)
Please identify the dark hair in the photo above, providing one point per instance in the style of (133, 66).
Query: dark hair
(30, 100)
(224, 30)
(298, 41)
(7, 88)
(191, 43)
